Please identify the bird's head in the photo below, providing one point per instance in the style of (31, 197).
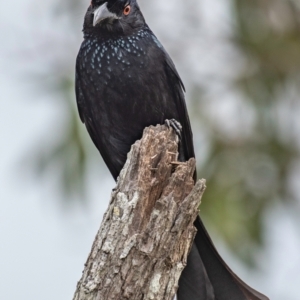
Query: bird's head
(114, 16)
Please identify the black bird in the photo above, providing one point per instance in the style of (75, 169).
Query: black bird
(126, 81)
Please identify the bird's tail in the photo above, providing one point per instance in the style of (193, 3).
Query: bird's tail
(207, 276)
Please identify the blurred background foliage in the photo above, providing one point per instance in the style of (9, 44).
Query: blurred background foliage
(242, 72)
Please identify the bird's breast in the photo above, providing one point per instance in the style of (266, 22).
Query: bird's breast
(116, 54)
(126, 82)
(121, 68)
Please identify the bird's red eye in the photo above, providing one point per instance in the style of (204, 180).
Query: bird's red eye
(127, 10)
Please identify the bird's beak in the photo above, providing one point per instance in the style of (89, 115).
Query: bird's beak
(102, 13)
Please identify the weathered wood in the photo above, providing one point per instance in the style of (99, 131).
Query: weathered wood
(142, 245)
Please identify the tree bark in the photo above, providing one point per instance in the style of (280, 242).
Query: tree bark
(147, 231)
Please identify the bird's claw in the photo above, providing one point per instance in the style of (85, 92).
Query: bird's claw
(176, 126)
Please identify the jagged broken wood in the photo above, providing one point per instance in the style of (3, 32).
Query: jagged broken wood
(147, 231)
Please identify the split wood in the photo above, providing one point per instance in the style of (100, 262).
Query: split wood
(147, 231)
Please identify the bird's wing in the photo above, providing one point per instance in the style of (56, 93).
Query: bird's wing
(79, 94)
(85, 91)
(177, 87)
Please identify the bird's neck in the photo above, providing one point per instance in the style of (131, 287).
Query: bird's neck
(104, 34)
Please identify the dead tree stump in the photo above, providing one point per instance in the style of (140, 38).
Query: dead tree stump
(147, 231)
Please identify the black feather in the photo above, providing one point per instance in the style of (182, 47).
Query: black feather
(126, 81)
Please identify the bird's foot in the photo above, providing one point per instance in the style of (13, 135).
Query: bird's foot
(176, 126)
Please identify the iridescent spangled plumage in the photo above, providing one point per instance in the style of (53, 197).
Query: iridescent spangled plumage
(126, 81)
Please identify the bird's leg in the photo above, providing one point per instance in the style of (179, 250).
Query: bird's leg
(176, 126)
